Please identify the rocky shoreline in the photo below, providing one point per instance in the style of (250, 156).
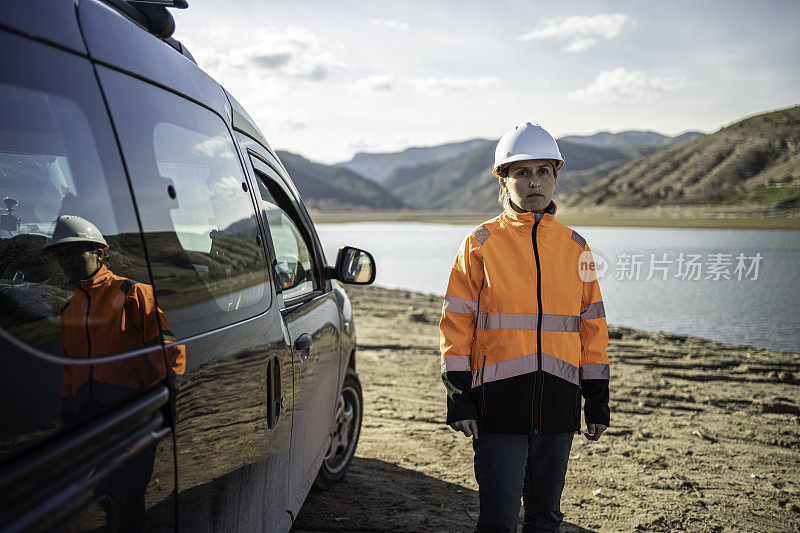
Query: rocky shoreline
(705, 436)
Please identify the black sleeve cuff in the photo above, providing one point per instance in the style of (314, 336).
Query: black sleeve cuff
(595, 408)
(459, 406)
(462, 410)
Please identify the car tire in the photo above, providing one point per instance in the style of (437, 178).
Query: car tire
(344, 434)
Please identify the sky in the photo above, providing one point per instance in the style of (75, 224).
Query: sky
(329, 79)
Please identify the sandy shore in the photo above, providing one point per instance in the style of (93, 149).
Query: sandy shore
(705, 436)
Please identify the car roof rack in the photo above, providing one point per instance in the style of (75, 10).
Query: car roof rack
(152, 15)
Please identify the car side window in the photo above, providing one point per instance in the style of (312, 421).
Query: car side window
(294, 269)
(74, 281)
(57, 159)
(198, 218)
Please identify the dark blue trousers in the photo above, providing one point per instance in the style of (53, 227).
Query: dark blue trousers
(510, 466)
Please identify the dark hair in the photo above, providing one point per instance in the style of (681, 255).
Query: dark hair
(501, 197)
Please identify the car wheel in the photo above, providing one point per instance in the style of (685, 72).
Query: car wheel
(344, 434)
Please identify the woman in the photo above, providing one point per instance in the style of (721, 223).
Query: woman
(523, 336)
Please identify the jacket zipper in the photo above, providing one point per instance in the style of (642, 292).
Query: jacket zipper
(483, 387)
(88, 338)
(539, 374)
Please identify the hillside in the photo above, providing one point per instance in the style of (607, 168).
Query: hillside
(466, 182)
(332, 187)
(631, 138)
(377, 166)
(754, 162)
(463, 183)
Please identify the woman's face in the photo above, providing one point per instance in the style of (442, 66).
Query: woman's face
(78, 260)
(530, 184)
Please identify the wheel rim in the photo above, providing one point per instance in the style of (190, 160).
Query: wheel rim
(344, 434)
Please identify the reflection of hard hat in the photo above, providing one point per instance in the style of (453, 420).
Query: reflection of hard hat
(70, 228)
(524, 142)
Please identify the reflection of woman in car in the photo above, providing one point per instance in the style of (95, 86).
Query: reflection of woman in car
(363, 273)
(108, 314)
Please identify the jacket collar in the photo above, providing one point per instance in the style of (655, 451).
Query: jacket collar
(102, 275)
(526, 220)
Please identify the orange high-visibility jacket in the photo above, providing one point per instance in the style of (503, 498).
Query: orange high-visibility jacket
(522, 335)
(110, 314)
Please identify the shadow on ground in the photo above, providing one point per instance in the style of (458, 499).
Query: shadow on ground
(380, 496)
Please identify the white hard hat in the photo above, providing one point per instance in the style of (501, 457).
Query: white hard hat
(524, 142)
(70, 228)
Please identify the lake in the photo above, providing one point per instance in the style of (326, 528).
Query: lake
(733, 286)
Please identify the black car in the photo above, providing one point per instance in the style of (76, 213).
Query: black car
(175, 352)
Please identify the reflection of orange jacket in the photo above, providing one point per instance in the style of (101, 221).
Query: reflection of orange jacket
(363, 275)
(522, 335)
(109, 315)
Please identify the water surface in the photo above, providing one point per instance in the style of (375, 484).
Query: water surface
(759, 312)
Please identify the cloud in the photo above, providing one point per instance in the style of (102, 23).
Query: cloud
(395, 24)
(431, 85)
(579, 45)
(279, 122)
(294, 52)
(312, 72)
(579, 32)
(620, 85)
(272, 61)
(451, 85)
(289, 52)
(375, 84)
(226, 188)
(216, 147)
(291, 125)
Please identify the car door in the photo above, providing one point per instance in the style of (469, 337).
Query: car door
(207, 257)
(312, 321)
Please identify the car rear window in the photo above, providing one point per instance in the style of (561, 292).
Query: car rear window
(199, 221)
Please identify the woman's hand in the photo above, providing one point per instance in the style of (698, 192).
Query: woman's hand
(468, 427)
(594, 431)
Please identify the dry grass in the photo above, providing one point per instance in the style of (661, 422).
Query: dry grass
(680, 219)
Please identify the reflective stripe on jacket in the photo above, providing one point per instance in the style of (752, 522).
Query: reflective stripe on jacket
(522, 336)
(110, 314)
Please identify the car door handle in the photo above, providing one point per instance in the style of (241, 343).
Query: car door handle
(303, 342)
(275, 398)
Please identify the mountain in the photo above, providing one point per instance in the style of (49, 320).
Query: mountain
(687, 136)
(755, 161)
(466, 182)
(378, 166)
(462, 183)
(630, 138)
(332, 187)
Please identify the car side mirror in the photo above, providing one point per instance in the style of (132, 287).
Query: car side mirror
(353, 266)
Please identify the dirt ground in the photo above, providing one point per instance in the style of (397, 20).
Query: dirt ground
(704, 436)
